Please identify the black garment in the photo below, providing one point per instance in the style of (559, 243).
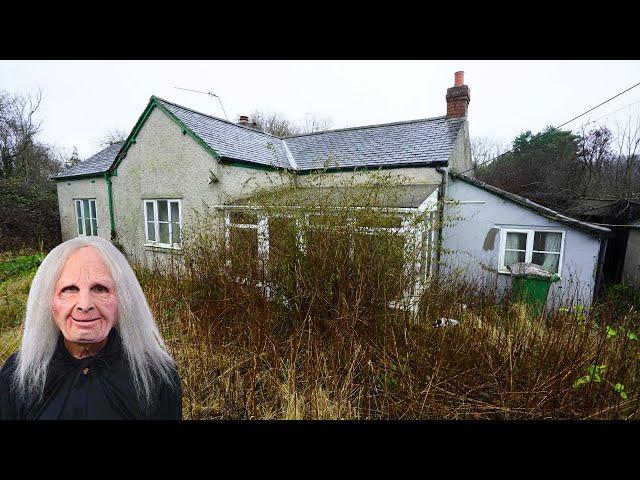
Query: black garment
(94, 388)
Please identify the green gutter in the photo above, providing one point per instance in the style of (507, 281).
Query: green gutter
(77, 177)
(185, 130)
(131, 139)
(107, 177)
(232, 162)
(370, 168)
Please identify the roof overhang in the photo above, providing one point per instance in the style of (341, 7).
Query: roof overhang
(534, 207)
(79, 177)
(397, 196)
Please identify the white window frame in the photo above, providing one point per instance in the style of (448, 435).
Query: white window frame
(424, 234)
(156, 223)
(261, 227)
(529, 248)
(80, 201)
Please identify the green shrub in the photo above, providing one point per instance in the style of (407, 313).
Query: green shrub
(20, 265)
(622, 302)
(29, 215)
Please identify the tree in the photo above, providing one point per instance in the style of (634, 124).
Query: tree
(115, 135)
(18, 127)
(316, 124)
(28, 199)
(277, 125)
(628, 146)
(594, 154)
(561, 169)
(486, 149)
(541, 167)
(73, 160)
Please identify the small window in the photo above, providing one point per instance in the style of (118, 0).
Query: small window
(241, 217)
(86, 217)
(542, 247)
(163, 222)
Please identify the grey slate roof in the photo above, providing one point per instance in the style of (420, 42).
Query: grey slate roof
(525, 202)
(98, 163)
(411, 142)
(230, 140)
(416, 141)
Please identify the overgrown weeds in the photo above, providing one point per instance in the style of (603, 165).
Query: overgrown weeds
(323, 307)
(335, 321)
(16, 273)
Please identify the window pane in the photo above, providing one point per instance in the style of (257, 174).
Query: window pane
(385, 250)
(86, 208)
(163, 212)
(548, 261)
(149, 206)
(87, 226)
(517, 241)
(175, 226)
(282, 236)
(283, 252)
(80, 226)
(78, 209)
(164, 232)
(547, 241)
(328, 220)
(511, 257)
(94, 225)
(244, 249)
(246, 217)
(379, 220)
(93, 209)
(151, 231)
(175, 213)
(379, 262)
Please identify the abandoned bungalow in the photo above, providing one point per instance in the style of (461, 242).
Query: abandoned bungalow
(176, 162)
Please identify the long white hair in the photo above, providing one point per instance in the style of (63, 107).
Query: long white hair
(142, 342)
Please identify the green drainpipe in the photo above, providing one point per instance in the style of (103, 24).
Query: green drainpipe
(107, 177)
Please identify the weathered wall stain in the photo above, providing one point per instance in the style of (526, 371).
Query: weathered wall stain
(490, 239)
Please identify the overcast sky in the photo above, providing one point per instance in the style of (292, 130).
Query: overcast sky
(85, 99)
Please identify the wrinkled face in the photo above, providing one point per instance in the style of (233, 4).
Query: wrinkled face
(84, 304)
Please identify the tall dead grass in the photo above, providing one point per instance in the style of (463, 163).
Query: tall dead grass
(323, 332)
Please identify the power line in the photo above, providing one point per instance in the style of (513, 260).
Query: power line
(611, 113)
(557, 128)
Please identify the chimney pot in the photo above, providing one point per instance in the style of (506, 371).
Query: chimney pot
(459, 79)
(458, 97)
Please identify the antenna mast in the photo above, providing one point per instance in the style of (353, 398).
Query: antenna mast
(211, 94)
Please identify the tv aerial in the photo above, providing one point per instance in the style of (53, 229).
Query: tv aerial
(211, 94)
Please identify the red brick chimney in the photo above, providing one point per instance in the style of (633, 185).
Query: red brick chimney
(244, 120)
(458, 97)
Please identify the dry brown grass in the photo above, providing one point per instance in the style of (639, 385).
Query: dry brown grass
(326, 344)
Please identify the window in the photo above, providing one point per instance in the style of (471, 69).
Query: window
(163, 222)
(267, 240)
(86, 218)
(542, 247)
(245, 237)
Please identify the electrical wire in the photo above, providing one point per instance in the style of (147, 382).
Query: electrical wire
(553, 129)
(610, 113)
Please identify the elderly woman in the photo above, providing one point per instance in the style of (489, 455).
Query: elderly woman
(90, 346)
